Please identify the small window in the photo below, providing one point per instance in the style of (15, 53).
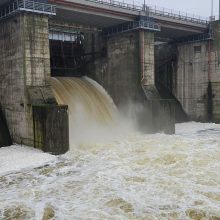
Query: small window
(197, 49)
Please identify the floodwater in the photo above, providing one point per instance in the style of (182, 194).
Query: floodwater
(128, 176)
(137, 177)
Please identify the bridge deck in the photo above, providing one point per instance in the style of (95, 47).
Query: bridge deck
(130, 9)
(107, 13)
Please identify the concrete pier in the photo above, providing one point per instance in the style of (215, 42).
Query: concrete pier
(25, 73)
(119, 71)
(51, 130)
(190, 71)
(127, 73)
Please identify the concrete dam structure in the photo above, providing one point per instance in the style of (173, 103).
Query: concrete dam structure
(159, 59)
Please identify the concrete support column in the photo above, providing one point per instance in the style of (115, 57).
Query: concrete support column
(215, 73)
(147, 57)
(25, 64)
(147, 69)
(128, 67)
(118, 71)
(24, 73)
(161, 114)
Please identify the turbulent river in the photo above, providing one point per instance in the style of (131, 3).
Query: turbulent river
(137, 177)
(128, 176)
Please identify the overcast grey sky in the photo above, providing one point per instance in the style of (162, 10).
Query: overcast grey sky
(198, 7)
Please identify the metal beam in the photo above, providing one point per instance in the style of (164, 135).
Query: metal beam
(28, 6)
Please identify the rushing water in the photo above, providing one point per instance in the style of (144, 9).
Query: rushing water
(92, 113)
(130, 176)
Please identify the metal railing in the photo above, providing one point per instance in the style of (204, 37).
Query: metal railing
(155, 10)
(195, 38)
(27, 5)
(133, 25)
(148, 25)
(64, 35)
(118, 4)
(177, 15)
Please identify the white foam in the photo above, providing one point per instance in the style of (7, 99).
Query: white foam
(193, 127)
(136, 177)
(16, 158)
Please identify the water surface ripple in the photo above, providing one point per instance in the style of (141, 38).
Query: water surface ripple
(135, 177)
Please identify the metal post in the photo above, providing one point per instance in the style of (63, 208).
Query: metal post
(219, 10)
(211, 9)
(141, 34)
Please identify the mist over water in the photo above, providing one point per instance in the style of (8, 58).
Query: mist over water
(93, 116)
(126, 175)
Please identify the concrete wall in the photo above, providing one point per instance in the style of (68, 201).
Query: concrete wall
(182, 72)
(165, 65)
(165, 72)
(51, 130)
(190, 81)
(146, 47)
(147, 62)
(119, 72)
(25, 63)
(127, 73)
(24, 73)
(128, 66)
(199, 98)
(195, 75)
(215, 71)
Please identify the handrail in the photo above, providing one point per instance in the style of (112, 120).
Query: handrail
(33, 6)
(133, 25)
(155, 10)
(195, 38)
(118, 4)
(62, 35)
(178, 15)
(27, 5)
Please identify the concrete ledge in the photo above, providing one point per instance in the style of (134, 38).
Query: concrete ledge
(51, 128)
(161, 116)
